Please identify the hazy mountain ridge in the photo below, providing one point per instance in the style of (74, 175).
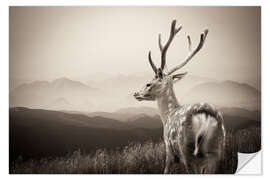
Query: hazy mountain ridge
(57, 84)
(59, 94)
(138, 110)
(225, 94)
(143, 112)
(116, 92)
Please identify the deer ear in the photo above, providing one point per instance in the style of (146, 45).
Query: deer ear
(159, 73)
(177, 77)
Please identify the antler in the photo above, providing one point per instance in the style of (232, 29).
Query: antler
(191, 52)
(151, 62)
(164, 49)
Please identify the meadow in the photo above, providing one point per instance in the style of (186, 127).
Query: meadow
(134, 158)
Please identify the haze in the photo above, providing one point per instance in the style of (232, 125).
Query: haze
(52, 42)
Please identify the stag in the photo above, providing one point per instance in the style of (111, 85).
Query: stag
(193, 134)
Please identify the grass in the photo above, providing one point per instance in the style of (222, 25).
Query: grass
(135, 158)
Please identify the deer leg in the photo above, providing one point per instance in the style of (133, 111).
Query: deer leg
(169, 159)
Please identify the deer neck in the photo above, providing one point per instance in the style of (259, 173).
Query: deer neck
(167, 102)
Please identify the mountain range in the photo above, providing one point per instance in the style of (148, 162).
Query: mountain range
(116, 92)
(225, 94)
(60, 94)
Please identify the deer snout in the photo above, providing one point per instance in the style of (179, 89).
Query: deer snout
(137, 96)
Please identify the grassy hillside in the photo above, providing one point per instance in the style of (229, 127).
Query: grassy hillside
(36, 133)
(40, 133)
(135, 158)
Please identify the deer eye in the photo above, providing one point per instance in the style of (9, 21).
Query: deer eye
(148, 85)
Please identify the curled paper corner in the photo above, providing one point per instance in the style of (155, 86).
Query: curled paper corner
(249, 163)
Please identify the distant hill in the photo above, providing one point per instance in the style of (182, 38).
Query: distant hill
(39, 133)
(225, 94)
(60, 84)
(188, 82)
(144, 121)
(14, 82)
(59, 104)
(122, 114)
(254, 115)
(126, 114)
(236, 123)
(115, 115)
(60, 94)
(136, 113)
(31, 116)
(110, 93)
(138, 110)
(36, 133)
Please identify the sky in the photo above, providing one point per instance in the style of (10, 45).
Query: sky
(53, 42)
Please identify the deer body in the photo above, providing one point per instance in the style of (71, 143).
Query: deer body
(184, 128)
(194, 134)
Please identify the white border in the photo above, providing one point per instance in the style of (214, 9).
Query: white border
(4, 72)
(136, 2)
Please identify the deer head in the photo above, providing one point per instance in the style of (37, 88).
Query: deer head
(164, 79)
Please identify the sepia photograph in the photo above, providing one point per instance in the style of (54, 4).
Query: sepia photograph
(133, 89)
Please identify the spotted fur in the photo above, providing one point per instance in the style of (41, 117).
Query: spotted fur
(180, 137)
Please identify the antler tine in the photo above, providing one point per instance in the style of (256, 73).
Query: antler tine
(151, 62)
(162, 48)
(159, 43)
(189, 43)
(191, 52)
